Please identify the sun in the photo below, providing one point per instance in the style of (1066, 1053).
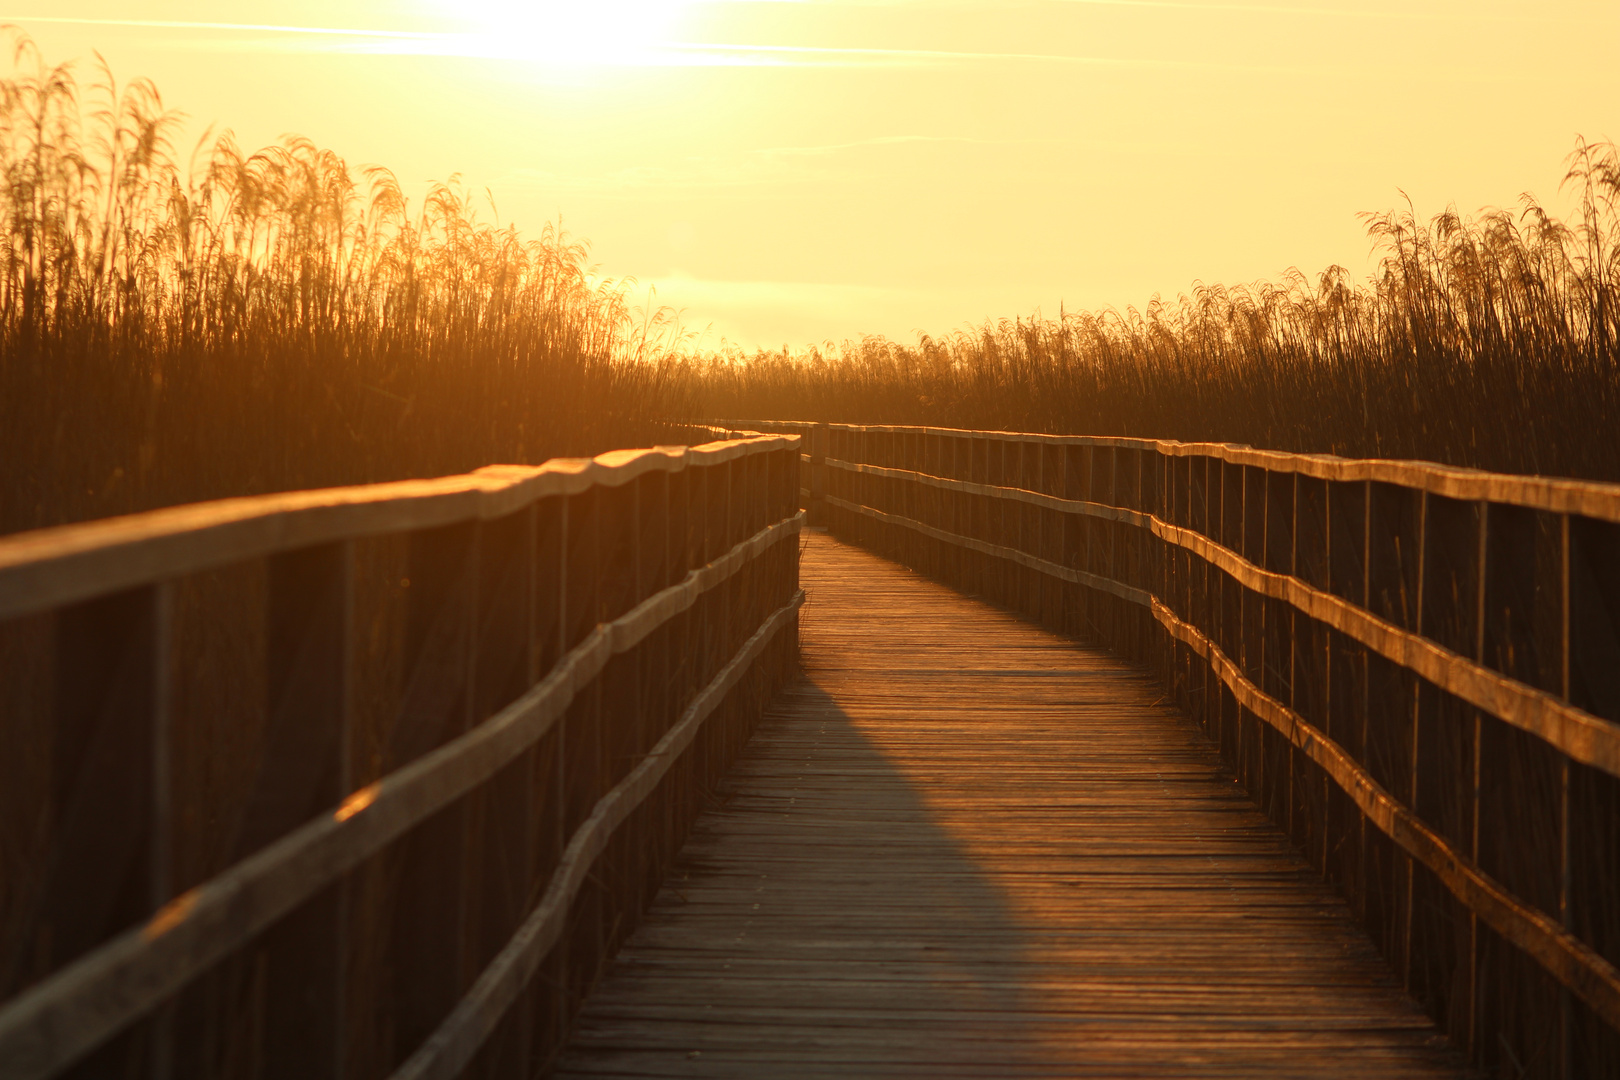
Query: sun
(572, 32)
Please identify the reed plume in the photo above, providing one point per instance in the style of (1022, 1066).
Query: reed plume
(1487, 342)
(274, 320)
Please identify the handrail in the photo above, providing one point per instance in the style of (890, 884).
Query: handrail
(1220, 566)
(723, 623)
(57, 1021)
(1140, 597)
(1573, 962)
(1588, 498)
(1588, 739)
(453, 1045)
(46, 568)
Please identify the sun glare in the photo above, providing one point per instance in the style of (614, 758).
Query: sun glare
(572, 32)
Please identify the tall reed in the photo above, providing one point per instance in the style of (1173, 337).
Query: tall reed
(1488, 342)
(237, 323)
(252, 322)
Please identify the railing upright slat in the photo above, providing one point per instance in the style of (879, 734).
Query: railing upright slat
(1405, 615)
(585, 768)
(512, 690)
(1594, 797)
(109, 814)
(428, 960)
(502, 813)
(303, 769)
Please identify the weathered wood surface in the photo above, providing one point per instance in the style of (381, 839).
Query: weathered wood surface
(963, 846)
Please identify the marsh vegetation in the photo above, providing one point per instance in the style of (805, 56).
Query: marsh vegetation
(1488, 342)
(177, 327)
(232, 322)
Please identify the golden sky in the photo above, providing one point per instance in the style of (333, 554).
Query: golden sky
(791, 172)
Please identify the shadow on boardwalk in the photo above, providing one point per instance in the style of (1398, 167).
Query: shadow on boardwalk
(820, 922)
(965, 847)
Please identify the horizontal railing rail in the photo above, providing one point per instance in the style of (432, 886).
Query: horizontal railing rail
(564, 659)
(1414, 668)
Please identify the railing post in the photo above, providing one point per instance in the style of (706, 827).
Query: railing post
(1593, 804)
(1346, 678)
(1052, 590)
(503, 814)
(109, 797)
(717, 612)
(1277, 629)
(581, 738)
(547, 544)
(1004, 515)
(1029, 527)
(818, 474)
(302, 772)
(1312, 649)
(1394, 522)
(1444, 754)
(618, 691)
(646, 856)
(954, 510)
(1106, 552)
(1140, 481)
(1482, 591)
(1199, 610)
(865, 486)
(427, 946)
(1562, 645)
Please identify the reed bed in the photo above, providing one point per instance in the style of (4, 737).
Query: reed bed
(1488, 342)
(242, 322)
(179, 328)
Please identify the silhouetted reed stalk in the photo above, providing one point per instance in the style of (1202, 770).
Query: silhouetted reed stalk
(274, 320)
(252, 322)
(1487, 342)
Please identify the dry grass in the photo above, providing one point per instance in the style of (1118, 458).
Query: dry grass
(253, 322)
(1488, 342)
(237, 323)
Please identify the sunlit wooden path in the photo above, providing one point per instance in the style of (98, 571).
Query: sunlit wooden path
(965, 847)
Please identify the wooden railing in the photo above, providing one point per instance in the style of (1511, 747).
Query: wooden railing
(1415, 670)
(370, 781)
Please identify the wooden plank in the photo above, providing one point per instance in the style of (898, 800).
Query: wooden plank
(301, 775)
(963, 847)
(108, 867)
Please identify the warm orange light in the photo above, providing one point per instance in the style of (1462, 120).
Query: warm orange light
(356, 803)
(170, 915)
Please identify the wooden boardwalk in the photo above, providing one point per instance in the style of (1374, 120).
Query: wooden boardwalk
(962, 846)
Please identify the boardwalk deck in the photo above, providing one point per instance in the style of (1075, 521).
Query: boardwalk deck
(965, 847)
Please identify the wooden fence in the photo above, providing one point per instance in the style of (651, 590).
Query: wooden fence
(1414, 669)
(370, 781)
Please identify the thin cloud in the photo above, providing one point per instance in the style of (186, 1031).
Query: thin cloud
(369, 41)
(1397, 14)
(181, 24)
(669, 53)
